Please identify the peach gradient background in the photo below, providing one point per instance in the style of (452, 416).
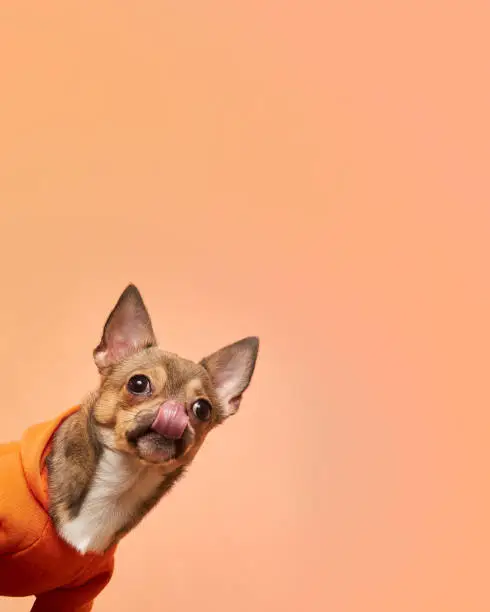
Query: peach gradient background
(312, 172)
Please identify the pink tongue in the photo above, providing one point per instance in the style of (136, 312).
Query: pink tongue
(171, 420)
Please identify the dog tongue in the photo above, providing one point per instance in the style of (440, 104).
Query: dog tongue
(171, 420)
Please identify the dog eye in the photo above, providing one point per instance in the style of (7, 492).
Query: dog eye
(139, 384)
(202, 409)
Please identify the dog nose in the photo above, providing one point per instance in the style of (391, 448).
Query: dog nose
(171, 420)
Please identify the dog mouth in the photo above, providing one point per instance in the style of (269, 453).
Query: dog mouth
(152, 445)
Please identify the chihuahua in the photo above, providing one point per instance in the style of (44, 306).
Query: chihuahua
(73, 487)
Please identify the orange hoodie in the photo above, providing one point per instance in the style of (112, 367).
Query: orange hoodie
(34, 560)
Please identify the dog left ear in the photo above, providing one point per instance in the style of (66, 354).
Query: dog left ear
(127, 330)
(231, 369)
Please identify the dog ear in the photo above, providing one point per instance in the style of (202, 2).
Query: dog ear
(127, 330)
(230, 370)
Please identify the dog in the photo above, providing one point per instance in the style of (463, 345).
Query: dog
(72, 487)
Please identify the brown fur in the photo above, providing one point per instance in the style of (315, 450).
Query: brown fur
(71, 464)
(113, 418)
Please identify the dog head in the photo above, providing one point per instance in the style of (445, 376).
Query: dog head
(155, 405)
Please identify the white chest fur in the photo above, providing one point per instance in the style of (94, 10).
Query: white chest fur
(118, 488)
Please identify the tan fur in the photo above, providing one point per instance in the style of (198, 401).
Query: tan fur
(102, 480)
(109, 415)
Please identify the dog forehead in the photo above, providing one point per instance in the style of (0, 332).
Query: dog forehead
(181, 371)
(176, 370)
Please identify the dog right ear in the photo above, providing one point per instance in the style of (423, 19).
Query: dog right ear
(127, 330)
(231, 369)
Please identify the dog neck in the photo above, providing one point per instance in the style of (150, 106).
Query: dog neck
(98, 494)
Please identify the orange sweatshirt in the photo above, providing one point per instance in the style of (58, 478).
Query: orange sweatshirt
(34, 560)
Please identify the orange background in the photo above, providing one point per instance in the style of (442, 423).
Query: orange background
(315, 173)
